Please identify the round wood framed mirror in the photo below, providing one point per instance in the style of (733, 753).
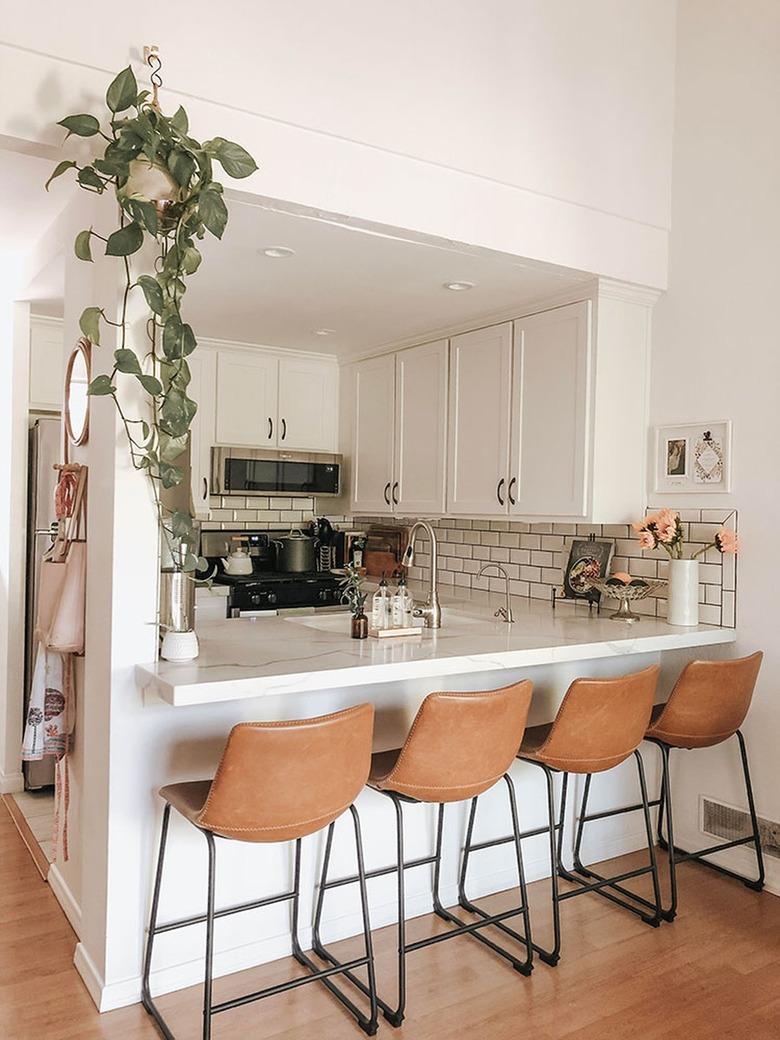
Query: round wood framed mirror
(77, 376)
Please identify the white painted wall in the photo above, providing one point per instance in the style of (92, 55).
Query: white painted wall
(715, 349)
(539, 128)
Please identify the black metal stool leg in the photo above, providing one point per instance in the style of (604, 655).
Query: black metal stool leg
(316, 939)
(464, 863)
(295, 902)
(373, 1024)
(758, 884)
(146, 996)
(640, 765)
(396, 1017)
(438, 907)
(208, 979)
(581, 824)
(669, 913)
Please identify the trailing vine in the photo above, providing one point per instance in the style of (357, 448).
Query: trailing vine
(163, 182)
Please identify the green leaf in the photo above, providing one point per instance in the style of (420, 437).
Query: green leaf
(152, 292)
(172, 447)
(83, 125)
(59, 169)
(89, 323)
(190, 260)
(101, 386)
(236, 161)
(144, 213)
(182, 166)
(190, 563)
(180, 121)
(177, 412)
(172, 335)
(82, 246)
(188, 341)
(203, 563)
(89, 179)
(127, 361)
(170, 477)
(213, 212)
(151, 384)
(180, 524)
(125, 241)
(123, 91)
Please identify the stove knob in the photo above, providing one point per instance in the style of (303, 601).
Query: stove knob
(272, 597)
(324, 595)
(256, 598)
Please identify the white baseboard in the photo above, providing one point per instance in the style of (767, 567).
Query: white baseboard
(11, 783)
(65, 898)
(741, 859)
(226, 962)
(91, 977)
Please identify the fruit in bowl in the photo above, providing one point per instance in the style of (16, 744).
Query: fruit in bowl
(624, 578)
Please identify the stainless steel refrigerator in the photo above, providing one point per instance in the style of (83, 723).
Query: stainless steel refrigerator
(44, 452)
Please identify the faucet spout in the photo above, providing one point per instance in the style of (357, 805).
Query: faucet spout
(431, 611)
(503, 612)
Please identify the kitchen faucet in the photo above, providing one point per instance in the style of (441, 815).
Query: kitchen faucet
(431, 612)
(502, 612)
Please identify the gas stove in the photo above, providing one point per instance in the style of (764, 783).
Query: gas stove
(270, 591)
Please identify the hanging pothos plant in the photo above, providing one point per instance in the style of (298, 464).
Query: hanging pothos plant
(163, 181)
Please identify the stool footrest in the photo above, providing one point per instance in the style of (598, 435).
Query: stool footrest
(186, 922)
(379, 872)
(681, 856)
(596, 886)
(606, 813)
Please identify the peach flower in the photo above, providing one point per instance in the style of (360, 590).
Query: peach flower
(646, 540)
(727, 541)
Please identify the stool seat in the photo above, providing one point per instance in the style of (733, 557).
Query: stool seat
(382, 765)
(533, 739)
(187, 797)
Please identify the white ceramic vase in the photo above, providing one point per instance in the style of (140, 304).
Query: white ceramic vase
(179, 646)
(683, 597)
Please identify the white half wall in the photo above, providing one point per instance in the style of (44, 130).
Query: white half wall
(715, 353)
(540, 129)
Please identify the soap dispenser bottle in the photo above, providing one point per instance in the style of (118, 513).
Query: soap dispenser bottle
(402, 605)
(381, 612)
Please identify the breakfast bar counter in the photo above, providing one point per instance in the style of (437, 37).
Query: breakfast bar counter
(302, 653)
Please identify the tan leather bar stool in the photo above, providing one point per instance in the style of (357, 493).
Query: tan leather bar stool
(277, 782)
(599, 725)
(459, 746)
(707, 706)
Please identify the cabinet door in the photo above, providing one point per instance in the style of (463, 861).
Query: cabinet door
(247, 397)
(308, 404)
(550, 421)
(480, 392)
(420, 429)
(203, 372)
(372, 457)
(47, 366)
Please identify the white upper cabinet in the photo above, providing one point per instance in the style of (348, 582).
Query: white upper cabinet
(47, 365)
(247, 398)
(420, 430)
(550, 413)
(479, 412)
(372, 459)
(203, 379)
(308, 404)
(267, 400)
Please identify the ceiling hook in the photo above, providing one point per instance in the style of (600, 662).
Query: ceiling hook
(153, 60)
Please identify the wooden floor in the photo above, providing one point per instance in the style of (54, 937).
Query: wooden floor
(712, 975)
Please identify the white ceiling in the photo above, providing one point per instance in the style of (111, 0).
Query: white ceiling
(370, 287)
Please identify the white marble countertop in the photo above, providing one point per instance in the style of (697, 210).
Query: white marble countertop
(300, 653)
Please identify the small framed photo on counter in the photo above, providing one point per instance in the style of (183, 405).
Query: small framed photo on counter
(694, 457)
(589, 558)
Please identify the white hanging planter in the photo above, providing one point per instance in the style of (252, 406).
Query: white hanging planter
(683, 600)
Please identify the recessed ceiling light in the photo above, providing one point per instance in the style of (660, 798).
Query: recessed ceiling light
(278, 252)
(323, 332)
(458, 286)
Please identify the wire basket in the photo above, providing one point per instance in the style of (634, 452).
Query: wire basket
(626, 594)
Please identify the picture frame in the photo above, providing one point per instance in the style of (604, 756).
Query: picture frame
(588, 558)
(693, 458)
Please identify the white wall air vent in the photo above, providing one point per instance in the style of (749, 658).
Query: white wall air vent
(728, 823)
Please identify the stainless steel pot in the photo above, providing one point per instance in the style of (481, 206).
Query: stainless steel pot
(296, 552)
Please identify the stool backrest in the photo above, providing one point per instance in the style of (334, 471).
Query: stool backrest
(460, 744)
(282, 780)
(600, 722)
(709, 701)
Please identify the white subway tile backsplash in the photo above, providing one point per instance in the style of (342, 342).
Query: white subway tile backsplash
(530, 541)
(499, 554)
(542, 559)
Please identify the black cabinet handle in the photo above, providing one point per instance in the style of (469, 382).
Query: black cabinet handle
(205, 489)
(270, 427)
(284, 428)
(512, 482)
(387, 492)
(498, 492)
(395, 493)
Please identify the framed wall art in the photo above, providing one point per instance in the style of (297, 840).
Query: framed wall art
(693, 458)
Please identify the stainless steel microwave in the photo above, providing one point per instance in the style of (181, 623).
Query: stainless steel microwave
(263, 471)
